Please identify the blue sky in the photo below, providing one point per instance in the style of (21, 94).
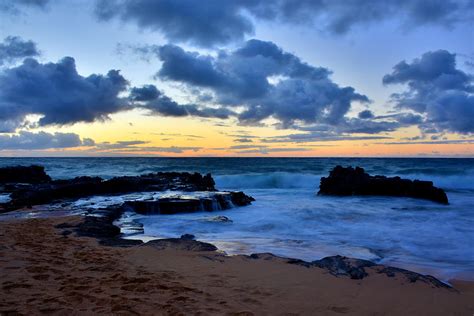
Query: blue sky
(358, 41)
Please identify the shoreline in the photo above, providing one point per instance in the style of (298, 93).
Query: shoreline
(49, 269)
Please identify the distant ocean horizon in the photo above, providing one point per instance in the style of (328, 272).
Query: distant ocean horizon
(289, 219)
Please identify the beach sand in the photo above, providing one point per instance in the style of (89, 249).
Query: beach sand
(43, 271)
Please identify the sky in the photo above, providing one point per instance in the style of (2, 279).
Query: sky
(307, 78)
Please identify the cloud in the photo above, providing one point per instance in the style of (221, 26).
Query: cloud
(146, 149)
(119, 144)
(16, 6)
(263, 79)
(435, 142)
(145, 93)
(436, 89)
(14, 48)
(318, 136)
(366, 114)
(57, 93)
(9, 126)
(260, 149)
(150, 98)
(178, 135)
(201, 22)
(243, 140)
(60, 96)
(42, 140)
(211, 22)
(138, 146)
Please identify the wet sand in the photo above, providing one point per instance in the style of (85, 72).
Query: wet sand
(43, 271)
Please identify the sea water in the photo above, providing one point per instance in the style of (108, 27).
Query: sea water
(289, 219)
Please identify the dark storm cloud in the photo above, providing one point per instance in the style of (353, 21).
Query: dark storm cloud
(210, 22)
(61, 96)
(217, 22)
(340, 16)
(42, 140)
(58, 93)
(14, 48)
(366, 114)
(201, 22)
(437, 89)
(145, 93)
(150, 98)
(243, 78)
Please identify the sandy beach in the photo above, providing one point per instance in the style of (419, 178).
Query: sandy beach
(45, 270)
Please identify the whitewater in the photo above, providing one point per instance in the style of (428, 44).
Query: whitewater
(289, 219)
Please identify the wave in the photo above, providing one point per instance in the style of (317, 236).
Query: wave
(447, 182)
(289, 180)
(272, 180)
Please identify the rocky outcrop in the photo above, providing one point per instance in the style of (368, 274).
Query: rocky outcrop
(100, 227)
(184, 204)
(355, 269)
(47, 191)
(183, 243)
(349, 181)
(23, 174)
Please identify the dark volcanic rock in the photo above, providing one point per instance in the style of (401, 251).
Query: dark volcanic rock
(23, 174)
(337, 265)
(356, 269)
(349, 181)
(49, 191)
(102, 228)
(174, 205)
(180, 244)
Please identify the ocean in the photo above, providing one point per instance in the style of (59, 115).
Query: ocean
(289, 219)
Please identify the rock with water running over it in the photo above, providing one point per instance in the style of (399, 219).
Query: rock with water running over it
(349, 181)
(184, 204)
(27, 195)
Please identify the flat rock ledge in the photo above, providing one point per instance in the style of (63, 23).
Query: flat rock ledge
(214, 201)
(28, 186)
(356, 269)
(349, 181)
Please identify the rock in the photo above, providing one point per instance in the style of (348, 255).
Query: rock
(349, 181)
(239, 198)
(100, 227)
(181, 204)
(338, 265)
(23, 174)
(97, 227)
(180, 244)
(220, 219)
(356, 269)
(188, 237)
(46, 192)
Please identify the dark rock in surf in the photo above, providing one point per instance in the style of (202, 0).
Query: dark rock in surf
(43, 192)
(101, 228)
(174, 205)
(23, 174)
(349, 181)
